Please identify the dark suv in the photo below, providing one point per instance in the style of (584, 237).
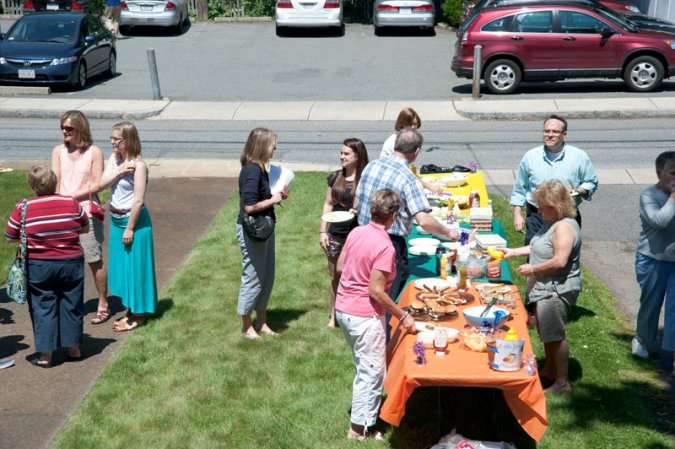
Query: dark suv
(558, 41)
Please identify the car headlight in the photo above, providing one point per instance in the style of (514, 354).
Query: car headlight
(3, 60)
(669, 43)
(633, 9)
(59, 61)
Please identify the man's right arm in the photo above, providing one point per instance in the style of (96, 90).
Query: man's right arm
(430, 224)
(519, 195)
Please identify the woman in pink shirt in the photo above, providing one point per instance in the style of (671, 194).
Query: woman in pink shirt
(78, 165)
(368, 267)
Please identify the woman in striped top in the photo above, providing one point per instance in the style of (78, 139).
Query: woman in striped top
(55, 265)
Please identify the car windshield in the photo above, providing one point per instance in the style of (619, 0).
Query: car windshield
(64, 31)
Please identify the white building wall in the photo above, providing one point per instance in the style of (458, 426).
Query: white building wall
(663, 9)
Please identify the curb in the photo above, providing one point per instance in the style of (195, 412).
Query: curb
(534, 116)
(102, 115)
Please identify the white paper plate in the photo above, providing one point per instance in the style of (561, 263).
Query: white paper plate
(450, 245)
(486, 240)
(6, 170)
(439, 283)
(422, 250)
(424, 241)
(337, 216)
(574, 193)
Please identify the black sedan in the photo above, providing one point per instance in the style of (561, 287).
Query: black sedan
(56, 48)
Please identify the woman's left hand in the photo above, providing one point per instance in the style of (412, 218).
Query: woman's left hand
(525, 269)
(128, 237)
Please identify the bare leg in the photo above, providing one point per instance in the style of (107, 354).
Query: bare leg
(247, 327)
(101, 280)
(335, 281)
(261, 323)
(560, 353)
(549, 369)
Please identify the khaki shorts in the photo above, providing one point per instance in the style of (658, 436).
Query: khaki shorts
(92, 242)
(552, 316)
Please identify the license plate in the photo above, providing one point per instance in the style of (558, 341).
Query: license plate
(27, 74)
(52, 7)
(405, 10)
(146, 7)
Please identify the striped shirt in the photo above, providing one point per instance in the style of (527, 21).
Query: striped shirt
(53, 223)
(392, 173)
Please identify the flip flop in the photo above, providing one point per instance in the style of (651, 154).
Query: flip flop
(38, 363)
(101, 316)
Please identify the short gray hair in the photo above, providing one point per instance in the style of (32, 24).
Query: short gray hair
(384, 204)
(408, 140)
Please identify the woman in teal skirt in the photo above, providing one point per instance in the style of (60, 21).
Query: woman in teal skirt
(131, 266)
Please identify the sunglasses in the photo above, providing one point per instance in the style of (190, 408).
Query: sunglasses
(69, 129)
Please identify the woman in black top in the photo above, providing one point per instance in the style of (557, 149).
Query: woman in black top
(340, 197)
(257, 277)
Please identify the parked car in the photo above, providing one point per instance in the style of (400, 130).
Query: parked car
(652, 23)
(56, 48)
(31, 6)
(559, 41)
(403, 13)
(161, 13)
(309, 13)
(472, 7)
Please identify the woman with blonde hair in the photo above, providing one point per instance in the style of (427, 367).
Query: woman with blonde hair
(78, 165)
(553, 277)
(131, 247)
(256, 198)
(55, 265)
(340, 197)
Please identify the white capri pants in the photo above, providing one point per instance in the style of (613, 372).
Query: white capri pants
(366, 337)
(257, 272)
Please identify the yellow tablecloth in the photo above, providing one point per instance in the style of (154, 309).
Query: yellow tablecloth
(476, 182)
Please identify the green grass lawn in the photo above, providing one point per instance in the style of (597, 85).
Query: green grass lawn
(189, 380)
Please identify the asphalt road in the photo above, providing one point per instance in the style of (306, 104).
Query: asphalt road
(248, 62)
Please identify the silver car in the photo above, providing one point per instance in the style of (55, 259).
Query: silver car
(162, 13)
(403, 13)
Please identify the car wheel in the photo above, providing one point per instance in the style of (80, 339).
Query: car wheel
(112, 65)
(124, 29)
(377, 30)
(502, 76)
(81, 79)
(340, 30)
(281, 31)
(643, 74)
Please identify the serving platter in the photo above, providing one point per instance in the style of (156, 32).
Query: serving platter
(337, 216)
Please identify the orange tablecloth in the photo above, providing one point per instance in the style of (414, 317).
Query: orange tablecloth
(461, 368)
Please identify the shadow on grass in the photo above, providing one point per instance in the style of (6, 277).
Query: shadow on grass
(579, 312)
(476, 413)
(590, 405)
(279, 318)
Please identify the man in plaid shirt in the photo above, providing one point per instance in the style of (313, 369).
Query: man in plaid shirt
(394, 173)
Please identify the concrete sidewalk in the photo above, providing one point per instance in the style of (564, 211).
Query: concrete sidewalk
(464, 109)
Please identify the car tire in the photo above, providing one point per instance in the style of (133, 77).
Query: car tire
(112, 65)
(377, 30)
(124, 29)
(502, 76)
(80, 80)
(340, 30)
(281, 31)
(643, 74)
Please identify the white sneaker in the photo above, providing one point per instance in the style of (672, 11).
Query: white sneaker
(638, 349)
(6, 362)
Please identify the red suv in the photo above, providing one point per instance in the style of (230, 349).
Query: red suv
(558, 41)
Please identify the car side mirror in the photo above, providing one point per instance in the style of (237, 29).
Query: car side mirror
(2, 36)
(606, 31)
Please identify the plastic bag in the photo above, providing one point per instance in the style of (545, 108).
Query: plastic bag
(453, 440)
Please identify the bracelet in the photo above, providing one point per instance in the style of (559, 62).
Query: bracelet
(405, 314)
(322, 232)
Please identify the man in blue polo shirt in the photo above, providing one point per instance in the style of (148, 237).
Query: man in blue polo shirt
(555, 159)
(394, 173)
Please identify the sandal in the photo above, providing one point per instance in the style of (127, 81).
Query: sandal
(101, 316)
(127, 325)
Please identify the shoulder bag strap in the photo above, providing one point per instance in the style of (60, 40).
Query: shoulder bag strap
(23, 247)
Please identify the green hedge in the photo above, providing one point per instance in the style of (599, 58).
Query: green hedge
(451, 12)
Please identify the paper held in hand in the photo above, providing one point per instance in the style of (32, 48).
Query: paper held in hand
(280, 177)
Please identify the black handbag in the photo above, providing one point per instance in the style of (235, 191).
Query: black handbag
(258, 228)
(431, 168)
